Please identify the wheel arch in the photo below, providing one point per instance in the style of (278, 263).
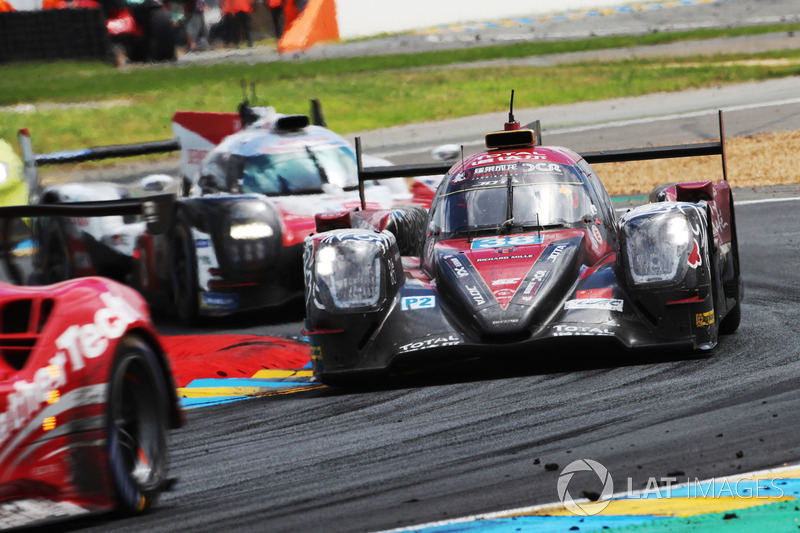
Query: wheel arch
(149, 338)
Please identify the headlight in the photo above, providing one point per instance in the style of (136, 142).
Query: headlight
(251, 235)
(658, 247)
(251, 230)
(349, 273)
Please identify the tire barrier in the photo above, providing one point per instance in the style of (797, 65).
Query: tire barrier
(54, 34)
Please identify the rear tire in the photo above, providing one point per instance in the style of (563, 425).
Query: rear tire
(184, 276)
(161, 39)
(138, 416)
(56, 263)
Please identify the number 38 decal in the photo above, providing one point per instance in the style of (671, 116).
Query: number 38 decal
(506, 240)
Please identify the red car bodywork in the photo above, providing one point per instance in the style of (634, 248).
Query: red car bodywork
(57, 347)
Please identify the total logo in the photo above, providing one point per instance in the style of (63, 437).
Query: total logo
(432, 342)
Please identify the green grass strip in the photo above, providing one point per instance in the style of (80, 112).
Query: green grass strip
(136, 104)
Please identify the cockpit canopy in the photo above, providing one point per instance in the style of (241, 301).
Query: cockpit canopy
(540, 194)
(278, 165)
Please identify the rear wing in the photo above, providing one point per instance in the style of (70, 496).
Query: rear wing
(15, 226)
(601, 156)
(33, 160)
(194, 134)
(155, 209)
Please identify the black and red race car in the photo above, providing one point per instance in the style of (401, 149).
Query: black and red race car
(522, 247)
(86, 394)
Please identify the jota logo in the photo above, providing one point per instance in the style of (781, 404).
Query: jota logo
(586, 508)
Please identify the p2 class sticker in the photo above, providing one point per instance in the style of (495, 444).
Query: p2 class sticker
(410, 303)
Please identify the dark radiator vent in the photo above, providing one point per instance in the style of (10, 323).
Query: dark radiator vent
(16, 316)
(21, 322)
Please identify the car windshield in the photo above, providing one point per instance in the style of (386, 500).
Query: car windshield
(551, 195)
(299, 171)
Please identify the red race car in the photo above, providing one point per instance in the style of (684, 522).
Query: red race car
(86, 399)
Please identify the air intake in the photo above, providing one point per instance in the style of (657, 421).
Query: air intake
(21, 322)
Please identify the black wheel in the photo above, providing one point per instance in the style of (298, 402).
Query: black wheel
(184, 276)
(731, 321)
(161, 37)
(136, 50)
(56, 265)
(138, 416)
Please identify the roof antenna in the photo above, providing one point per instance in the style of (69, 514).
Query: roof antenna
(246, 113)
(511, 124)
(243, 83)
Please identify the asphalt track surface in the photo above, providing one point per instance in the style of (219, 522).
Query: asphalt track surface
(477, 437)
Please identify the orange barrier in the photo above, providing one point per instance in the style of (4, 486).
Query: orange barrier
(316, 23)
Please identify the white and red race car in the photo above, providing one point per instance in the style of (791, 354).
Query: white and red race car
(252, 184)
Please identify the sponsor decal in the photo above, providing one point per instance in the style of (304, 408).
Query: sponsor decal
(704, 319)
(433, 342)
(202, 243)
(316, 353)
(503, 241)
(76, 345)
(196, 156)
(595, 303)
(409, 303)
(495, 169)
(539, 275)
(596, 237)
(533, 282)
(504, 293)
(506, 281)
(503, 257)
(543, 167)
(594, 293)
(458, 267)
(556, 252)
(461, 176)
(561, 330)
(476, 295)
(487, 159)
(213, 300)
(694, 258)
(506, 321)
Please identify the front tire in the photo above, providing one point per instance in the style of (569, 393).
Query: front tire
(138, 412)
(731, 321)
